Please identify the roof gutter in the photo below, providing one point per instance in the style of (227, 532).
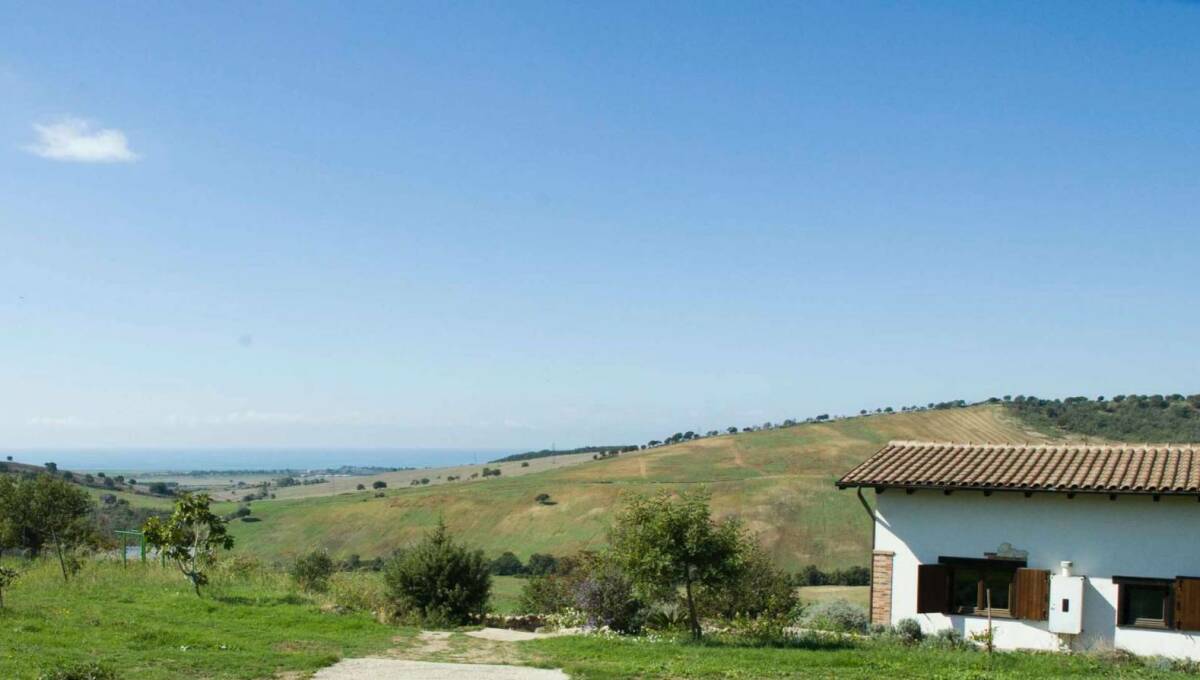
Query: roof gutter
(867, 507)
(1015, 489)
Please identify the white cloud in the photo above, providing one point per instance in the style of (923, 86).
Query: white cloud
(76, 140)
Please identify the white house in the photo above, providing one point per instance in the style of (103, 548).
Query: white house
(1066, 547)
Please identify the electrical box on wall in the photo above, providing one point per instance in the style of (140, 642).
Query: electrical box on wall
(1066, 604)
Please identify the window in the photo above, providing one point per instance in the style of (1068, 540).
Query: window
(976, 587)
(1144, 602)
(964, 585)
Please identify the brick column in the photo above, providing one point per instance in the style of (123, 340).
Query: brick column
(881, 586)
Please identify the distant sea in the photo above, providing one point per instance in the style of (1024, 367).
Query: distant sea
(186, 460)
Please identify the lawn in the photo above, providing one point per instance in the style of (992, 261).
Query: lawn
(506, 593)
(596, 658)
(146, 622)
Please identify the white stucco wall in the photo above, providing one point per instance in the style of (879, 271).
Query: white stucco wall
(1131, 536)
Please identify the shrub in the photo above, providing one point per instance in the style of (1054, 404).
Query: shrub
(438, 580)
(606, 597)
(360, 487)
(946, 638)
(379, 484)
(85, 671)
(312, 571)
(542, 499)
(546, 595)
(909, 631)
(507, 564)
(836, 615)
(667, 616)
(759, 589)
(540, 564)
(525, 463)
(763, 631)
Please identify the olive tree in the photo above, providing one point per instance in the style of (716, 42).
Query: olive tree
(190, 537)
(668, 542)
(44, 510)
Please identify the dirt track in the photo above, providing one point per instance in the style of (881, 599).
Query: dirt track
(397, 669)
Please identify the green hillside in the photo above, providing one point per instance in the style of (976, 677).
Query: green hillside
(1126, 418)
(780, 482)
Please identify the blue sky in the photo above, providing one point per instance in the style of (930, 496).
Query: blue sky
(518, 224)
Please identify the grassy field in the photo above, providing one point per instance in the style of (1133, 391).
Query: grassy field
(859, 595)
(145, 622)
(506, 593)
(137, 500)
(593, 658)
(780, 482)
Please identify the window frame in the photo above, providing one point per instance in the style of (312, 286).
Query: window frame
(1166, 585)
(985, 566)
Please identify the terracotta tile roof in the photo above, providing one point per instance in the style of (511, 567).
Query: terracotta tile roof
(1084, 468)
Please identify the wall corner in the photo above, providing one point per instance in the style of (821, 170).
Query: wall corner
(881, 586)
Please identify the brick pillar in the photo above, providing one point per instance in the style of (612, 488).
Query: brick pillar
(881, 586)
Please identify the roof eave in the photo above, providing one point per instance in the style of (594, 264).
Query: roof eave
(842, 485)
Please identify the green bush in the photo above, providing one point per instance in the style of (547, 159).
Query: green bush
(438, 581)
(670, 616)
(550, 594)
(541, 564)
(312, 571)
(909, 631)
(947, 638)
(606, 597)
(85, 671)
(759, 589)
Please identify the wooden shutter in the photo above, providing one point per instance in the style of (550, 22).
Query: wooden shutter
(933, 589)
(1187, 603)
(1032, 588)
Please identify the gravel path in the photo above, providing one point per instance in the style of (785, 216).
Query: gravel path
(396, 669)
(506, 635)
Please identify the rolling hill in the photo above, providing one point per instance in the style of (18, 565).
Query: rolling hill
(780, 482)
